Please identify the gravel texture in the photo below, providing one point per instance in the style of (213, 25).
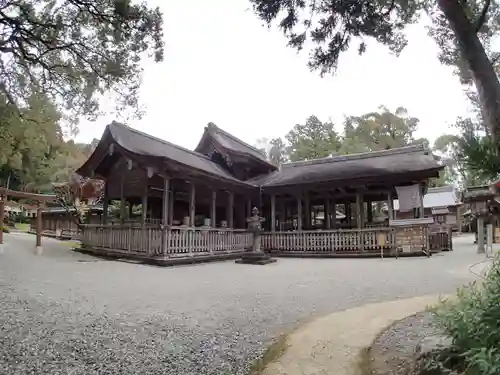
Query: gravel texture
(69, 313)
(393, 352)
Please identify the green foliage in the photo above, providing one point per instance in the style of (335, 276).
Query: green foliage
(74, 51)
(472, 321)
(382, 130)
(312, 140)
(332, 25)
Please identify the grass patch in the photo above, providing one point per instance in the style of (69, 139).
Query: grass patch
(72, 244)
(272, 353)
(22, 227)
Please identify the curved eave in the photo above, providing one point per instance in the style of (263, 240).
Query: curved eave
(89, 167)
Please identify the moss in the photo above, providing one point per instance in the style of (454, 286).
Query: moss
(272, 354)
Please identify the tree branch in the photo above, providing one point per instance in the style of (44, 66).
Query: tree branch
(482, 18)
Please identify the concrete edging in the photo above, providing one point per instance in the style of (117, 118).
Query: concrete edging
(334, 344)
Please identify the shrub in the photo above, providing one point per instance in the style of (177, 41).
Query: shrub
(5, 229)
(472, 320)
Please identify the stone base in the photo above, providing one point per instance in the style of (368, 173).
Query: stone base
(38, 250)
(256, 257)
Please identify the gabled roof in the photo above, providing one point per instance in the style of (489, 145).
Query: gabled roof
(442, 196)
(142, 144)
(374, 164)
(232, 144)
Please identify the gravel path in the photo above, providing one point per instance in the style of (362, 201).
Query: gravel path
(68, 313)
(393, 352)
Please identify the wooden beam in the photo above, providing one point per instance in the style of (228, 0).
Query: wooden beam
(273, 213)
(213, 210)
(192, 205)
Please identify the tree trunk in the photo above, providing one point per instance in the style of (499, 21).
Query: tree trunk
(485, 78)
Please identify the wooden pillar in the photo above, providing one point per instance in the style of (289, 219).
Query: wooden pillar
(192, 205)
(166, 202)
(307, 208)
(38, 227)
(327, 214)
(230, 209)
(299, 213)
(369, 211)
(360, 220)
(273, 213)
(171, 201)
(282, 215)
(333, 213)
(480, 235)
(421, 210)
(459, 221)
(213, 210)
(105, 205)
(2, 217)
(359, 211)
(390, 207)
(123, 202)
(145, 204)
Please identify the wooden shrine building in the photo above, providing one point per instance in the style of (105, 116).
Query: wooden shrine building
(195, 203)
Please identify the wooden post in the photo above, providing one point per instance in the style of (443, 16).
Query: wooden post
(165, 214)
(282, 214)
(327, 215)
(421, 210)
(171, 200)
(390, 207)
(145, 204)
(480, 235)
(299, 213)
(166, 202)
(213, 210)
(307, 208)
(122, 199)
(2, 217)
(105, 205)
(369, 211)
(230, 210)
(273, 213)
(38, 230)
(333, 214)
(192, 205)
(360, 220)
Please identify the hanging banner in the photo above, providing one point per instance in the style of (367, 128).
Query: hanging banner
(409, 197)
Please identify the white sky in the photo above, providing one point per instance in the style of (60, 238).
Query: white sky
(222, 66)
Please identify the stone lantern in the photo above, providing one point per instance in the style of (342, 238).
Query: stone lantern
(255, 255)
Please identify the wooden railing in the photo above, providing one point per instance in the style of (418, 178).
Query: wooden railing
(169, 242)
(334, 241)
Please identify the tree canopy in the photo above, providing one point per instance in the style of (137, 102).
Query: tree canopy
(73, 51)
(463, 29)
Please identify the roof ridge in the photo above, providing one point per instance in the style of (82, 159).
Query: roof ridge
(211, 125)
(116, 123)
(358, 156)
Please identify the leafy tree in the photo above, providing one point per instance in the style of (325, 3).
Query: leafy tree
(274, 149)
(312, 140)
(463, 29)
(380, 130)
(73, 51)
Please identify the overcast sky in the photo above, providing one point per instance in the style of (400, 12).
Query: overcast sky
(222, 66)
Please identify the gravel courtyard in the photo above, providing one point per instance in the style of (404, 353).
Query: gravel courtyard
(68, 313)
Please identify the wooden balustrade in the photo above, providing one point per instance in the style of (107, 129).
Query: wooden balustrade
(169, 242)
(334, 241)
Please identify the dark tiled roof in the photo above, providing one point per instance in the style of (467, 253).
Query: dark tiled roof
(366, 165)
(231, 143)
(475, 193)
(144, 144)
